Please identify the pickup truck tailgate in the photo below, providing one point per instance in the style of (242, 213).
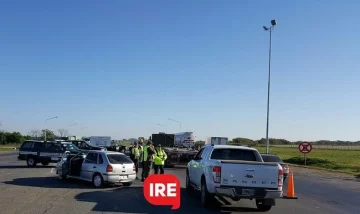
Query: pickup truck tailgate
(245, 174)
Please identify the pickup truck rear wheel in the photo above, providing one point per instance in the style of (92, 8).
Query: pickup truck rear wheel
(262, 207)
(206, 197)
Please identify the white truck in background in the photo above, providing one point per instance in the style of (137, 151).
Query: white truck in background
(100, 141)
(217, 141)
(236, 172)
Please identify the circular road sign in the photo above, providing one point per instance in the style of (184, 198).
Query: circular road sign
(305, 147)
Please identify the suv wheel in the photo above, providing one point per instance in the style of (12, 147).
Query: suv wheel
(31, 162)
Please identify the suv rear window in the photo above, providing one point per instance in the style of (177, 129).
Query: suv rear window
(233, 154)
(118, 159)
(271, 158)
(27, 145)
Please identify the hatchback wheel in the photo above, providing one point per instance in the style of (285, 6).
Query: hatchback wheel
(98, 181)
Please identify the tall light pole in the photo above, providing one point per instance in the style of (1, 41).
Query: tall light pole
(269, 29)
(176, 122)
(45, 123)
(165, 132)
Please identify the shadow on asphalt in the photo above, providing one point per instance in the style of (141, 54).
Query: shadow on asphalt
(23, 167)
(50, 182)
(131, 200)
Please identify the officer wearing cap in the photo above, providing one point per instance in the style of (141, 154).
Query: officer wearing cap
(159, 159)
(135, 152)
(148, 159)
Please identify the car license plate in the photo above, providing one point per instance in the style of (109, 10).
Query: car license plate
(123, 177)
(54, 158)
(247, 192)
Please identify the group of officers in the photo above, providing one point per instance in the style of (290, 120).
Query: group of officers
(149, 157)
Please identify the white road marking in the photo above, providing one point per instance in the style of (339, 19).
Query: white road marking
(53, 171)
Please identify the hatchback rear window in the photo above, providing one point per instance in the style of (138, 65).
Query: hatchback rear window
(233, 154)
(271, 158)
(118, 159)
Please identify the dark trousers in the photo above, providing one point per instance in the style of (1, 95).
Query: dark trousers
(136, 163)
(157, 167)
(147, 168)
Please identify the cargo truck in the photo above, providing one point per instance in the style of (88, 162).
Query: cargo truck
(176, 156)
(217, 140)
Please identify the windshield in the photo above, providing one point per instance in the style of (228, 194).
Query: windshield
(233, 154)
(70, 147)
(118, 159)
(271, 158)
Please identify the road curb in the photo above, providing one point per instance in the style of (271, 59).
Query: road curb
(322, 169)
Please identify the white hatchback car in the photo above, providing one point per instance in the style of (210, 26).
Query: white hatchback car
(98, 167)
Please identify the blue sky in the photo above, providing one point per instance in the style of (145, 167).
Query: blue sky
(120, 67)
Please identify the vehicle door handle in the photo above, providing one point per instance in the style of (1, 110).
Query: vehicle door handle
(94, 167)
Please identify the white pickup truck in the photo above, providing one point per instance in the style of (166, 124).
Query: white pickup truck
(236, 172)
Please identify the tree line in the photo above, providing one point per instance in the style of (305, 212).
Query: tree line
(17, 138)
(273, 141)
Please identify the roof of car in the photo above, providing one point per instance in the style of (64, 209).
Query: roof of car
(233, 147)
(268, 154)
(105, 152)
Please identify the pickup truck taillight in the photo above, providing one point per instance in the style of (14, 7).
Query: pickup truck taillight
(134, 169)
(217, 174)
(280, 178)
(109, 168)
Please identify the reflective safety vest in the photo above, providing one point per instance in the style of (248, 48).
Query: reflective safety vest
(135, 151)
(160, 157)
(145, 153)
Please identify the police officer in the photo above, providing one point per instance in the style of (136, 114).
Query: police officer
(135, 152)
(159, 160)
(148, 159)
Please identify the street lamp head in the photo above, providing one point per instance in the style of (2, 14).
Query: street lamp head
(273, 22)
(265, 28)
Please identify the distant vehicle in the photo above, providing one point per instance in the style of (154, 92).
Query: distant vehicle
(83, 145)
(101, 141)
(175, 155)
(276, 159)
(217, 140)
(236, 172)
(98, 167)
(43, 152)
(185, 139)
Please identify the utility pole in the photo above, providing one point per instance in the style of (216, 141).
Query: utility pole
(269, 29)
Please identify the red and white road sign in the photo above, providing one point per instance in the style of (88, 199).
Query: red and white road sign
(305, 147)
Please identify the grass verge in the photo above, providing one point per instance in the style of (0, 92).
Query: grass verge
(347, 161)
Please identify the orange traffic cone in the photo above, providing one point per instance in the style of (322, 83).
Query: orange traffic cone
(291, 189)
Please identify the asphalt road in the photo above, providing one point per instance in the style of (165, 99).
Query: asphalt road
(32, 191)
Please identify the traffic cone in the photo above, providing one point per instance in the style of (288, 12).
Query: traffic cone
(291, 189)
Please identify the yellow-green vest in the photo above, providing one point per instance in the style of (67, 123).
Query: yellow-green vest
(135, 151)
(160, 157)
(145, 153)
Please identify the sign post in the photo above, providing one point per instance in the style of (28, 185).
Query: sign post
(305, 148)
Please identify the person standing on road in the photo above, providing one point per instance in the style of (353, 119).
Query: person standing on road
(148, 157)
(159, 160)
(136, 157)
